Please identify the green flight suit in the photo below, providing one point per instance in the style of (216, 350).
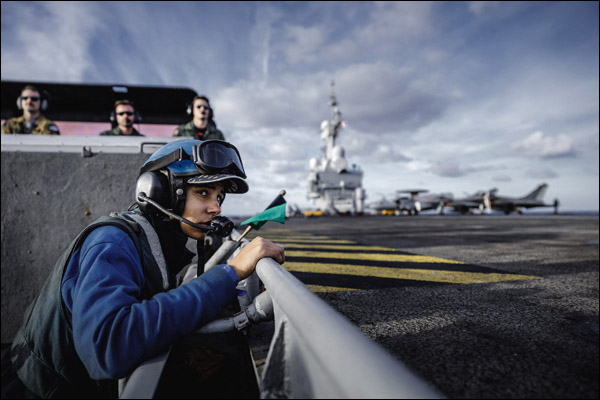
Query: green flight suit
(117, 132)
(41, 126)
(189, 129)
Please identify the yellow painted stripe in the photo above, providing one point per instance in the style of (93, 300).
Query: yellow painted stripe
(372, 257)
(329, 289)
(274, 232)
(289, 234)
(334, 247)
(401, 273)
(293, 240)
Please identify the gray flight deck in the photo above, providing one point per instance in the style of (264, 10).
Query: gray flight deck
(535, 338)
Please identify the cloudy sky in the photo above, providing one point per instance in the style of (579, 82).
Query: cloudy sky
(446, 96)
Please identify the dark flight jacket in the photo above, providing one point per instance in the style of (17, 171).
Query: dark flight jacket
(43, 351)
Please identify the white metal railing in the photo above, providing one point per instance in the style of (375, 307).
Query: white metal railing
(83, 144)
(317, 353)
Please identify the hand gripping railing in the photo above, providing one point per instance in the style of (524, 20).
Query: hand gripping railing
(316, 353)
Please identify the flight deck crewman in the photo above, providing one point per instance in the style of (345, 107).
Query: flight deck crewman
(202, 126)
(32, 103)
(112, 300)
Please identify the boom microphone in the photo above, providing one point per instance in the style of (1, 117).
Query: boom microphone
(220, 225)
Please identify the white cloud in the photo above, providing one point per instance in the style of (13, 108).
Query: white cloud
(383, 98)
(501, 178)
(36, 53)
(538, 145)
(397, 21)
(367, 149)
(375, 98)
(431, 91)
(479, 7)
(451, 168)
(302, 43)
(541, 173)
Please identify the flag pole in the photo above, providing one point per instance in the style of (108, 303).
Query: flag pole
(249, 228)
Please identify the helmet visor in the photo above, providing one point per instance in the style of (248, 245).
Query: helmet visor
(218, 156)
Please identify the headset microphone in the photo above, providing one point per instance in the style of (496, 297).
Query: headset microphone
(220, 225)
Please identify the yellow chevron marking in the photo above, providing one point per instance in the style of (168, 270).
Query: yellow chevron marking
(373, 257)
(334, 247)
(401, 273)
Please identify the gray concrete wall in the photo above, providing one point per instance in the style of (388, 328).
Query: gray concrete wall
(47, 198)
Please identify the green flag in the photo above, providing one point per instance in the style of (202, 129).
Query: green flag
(276, 213)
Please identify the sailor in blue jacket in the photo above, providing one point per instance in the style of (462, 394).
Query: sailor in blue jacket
(112, 301)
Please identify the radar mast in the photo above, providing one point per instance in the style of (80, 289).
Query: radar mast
(332, 185)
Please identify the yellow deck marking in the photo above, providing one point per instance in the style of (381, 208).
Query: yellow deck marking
(373, 257)
(290, 235)
(284, 230)
(401, 273)
(312, 240)
(320, 288)
(334, 247)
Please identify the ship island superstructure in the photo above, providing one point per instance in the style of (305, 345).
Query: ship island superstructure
(334, 186)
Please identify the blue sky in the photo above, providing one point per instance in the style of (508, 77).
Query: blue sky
(446, 96)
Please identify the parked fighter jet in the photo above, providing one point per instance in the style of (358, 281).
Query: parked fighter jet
(486, 201)
(533, 199)
(479, 200)
(411, 202)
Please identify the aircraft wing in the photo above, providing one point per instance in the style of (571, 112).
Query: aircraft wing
(464, 206)
(477, 200)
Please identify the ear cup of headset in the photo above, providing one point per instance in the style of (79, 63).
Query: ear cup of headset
(45, 97)
(156, 186)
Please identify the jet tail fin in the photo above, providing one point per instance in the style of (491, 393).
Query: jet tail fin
(538, 193)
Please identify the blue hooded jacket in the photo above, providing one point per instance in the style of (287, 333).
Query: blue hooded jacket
(107, 307)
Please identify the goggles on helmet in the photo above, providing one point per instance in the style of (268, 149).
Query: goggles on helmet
(217, 156)
(188, 157)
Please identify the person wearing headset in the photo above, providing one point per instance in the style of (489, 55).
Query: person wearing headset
(202, 126)
(32, 103)
(123, 116)
(112, 301)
